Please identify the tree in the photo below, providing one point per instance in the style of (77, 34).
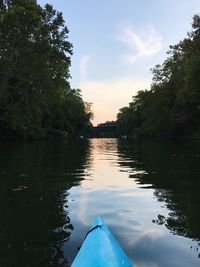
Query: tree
(171, 108)
(34, 68)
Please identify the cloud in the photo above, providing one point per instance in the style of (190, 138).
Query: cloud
(143, 42)
(109, 96)
(83, 66)
(184, 3)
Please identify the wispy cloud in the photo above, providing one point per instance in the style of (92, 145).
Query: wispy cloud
(184, 3)
(143, 42)
(83, 66)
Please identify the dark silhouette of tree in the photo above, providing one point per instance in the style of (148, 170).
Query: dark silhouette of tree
(172, 170)
(171, 108)
(35, 220)
(35, 94)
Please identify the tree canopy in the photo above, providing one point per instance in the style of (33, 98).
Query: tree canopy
(171, 108)
(35, 94)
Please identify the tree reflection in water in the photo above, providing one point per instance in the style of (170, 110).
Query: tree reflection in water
(172, 169)
(34, 183)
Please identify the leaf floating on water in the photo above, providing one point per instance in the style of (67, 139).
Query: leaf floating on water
(23, 175)
(19, 188)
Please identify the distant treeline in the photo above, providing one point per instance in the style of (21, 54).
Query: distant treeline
(171, 108)
(36, 99)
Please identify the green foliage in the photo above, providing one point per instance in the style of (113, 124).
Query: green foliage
(35, 96)
(171, 108)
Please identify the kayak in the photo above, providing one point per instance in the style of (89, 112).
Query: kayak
(100, 249)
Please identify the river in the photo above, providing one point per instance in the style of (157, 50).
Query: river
(147, 192)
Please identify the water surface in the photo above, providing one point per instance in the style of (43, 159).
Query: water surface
(146, 192)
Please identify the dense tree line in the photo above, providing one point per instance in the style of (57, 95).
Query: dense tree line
(171, 108)
(35, 95)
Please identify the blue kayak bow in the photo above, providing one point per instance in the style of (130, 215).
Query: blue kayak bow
(100, 249)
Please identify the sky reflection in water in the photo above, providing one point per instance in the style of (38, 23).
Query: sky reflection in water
(127, 207)
(146, 192)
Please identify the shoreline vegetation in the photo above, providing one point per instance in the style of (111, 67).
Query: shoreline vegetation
(171, 108)
(36, 99)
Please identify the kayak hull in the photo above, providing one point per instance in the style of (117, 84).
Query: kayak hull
(100, 249)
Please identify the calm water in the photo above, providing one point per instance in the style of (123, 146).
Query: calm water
(148, 193)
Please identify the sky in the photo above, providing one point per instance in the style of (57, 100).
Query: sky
(117, 42)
